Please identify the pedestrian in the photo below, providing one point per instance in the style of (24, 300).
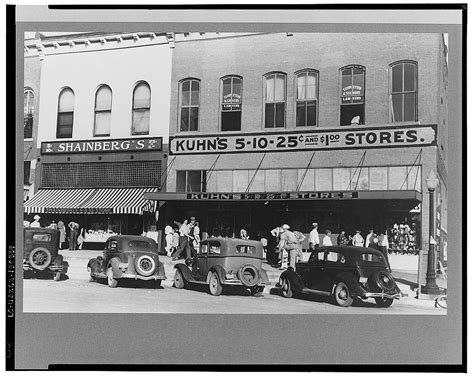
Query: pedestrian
(80, 239)
(358, 240)
(314, 238)
(327, 238)
(196, 237)
(371, 240)
(36, 224)
(73, 233)
(26, 223)
(342, 239)
(274, 253)
(175, 242)
(183, 241)
(290, 243)
(168, 239)
(62, 234)
(243, 234)
(383, 247)
(53, 225)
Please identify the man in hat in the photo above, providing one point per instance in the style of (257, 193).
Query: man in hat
(358, 240)
(36, 224)
(73, 233)
(314, 238)
(290, 243)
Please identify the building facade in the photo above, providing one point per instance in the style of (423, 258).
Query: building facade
(341, 129)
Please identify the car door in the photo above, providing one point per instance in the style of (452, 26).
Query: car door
(332, 267)
(311, 272)
(200, 272)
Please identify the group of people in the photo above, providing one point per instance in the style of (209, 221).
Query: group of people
(402, 239)
(76, 238)
(182, 238)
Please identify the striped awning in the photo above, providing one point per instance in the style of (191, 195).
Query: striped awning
(91, 201)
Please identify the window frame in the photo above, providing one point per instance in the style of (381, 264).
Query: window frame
(59, 113)
(180, 104)
(391, 113)
(102, 86)
(221, 95)
(316, 100)
(28, 118)
(203, 180)
(364, 69)
(265, 102)
(140, 109)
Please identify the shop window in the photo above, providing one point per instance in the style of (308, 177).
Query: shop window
(231, 103)
(26, 171)
(141, 109)
(341, 178)
(65, 113)
(189, 98)
(378, 178)
(224, 180)
(352, 95)
(102, 111)
(258, 183)
(240, 180)
(289, 179)
(28, 107)
(403, 92)
(360, 178)
(414, 178)
(397, 178)
(323, 179)
(308, 180)
(275, 100)
(272, 180)
(307, 98)
(191, 181)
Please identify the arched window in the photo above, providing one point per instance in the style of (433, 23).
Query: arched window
(189, 98)
(141, 109)
(352, 106)
(231, 103)
(102, 111)
(403, 92)
(28, 107)
(275, 100)
(307, 98)
(65, 113)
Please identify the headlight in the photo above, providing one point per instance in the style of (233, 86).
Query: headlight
(362, 280)
(230, 275)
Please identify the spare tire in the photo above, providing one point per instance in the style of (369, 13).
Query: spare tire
(249, 275)
(145, 265)
(384, 280)
(40, 258)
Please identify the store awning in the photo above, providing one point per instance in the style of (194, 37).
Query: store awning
(91, 201)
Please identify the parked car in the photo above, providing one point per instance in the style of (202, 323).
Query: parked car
(127, 257)
(343, 272)
(225, 261)
(41, 252)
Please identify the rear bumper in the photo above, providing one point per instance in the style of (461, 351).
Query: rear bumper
(383, 295)
(139, 277)
(52, 268)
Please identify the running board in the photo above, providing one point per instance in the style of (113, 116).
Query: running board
(315, 291)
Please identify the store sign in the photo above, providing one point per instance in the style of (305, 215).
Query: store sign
(273, 195)
(231, 102)
(341, 138)
(352, 94)
(102, 146)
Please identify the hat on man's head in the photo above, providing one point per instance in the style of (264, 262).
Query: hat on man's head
(192, 218)
(315, 224)
(357, 231)
(285, 226)
(37, 217)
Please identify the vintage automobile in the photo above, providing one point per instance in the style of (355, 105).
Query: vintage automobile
(343, 272)
(127, 257)
(41, 252)
(225, 261)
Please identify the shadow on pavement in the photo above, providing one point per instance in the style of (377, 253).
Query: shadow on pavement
(226, 290)
(42, 275)
(132, 283)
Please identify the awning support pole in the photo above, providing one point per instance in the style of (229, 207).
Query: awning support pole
(255, 174)
(417, 158)
(300, 183)
(165, 174)
(211, 169)
(359, 167)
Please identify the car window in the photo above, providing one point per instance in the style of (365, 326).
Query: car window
(203, 249)
(42, 237)
(371, 258)
(112, 245)
(246, 249)
(139, 244)
(332, 256)
(316, 256)
(214, 248)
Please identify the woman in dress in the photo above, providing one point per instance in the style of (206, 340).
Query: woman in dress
(62, 234)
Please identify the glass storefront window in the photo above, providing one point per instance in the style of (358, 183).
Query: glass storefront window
(211, 181)
(289, 179)
(378, 178)
(240, 180)
(323, 179)
(224, 180)
(272, 180)
(414, 180)
(341, 178)
(308, 181)
(258, 184)
(360, 178)
(397, 178)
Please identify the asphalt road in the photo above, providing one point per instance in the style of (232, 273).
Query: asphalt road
(77, 295)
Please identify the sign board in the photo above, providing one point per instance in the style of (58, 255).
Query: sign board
(323, 139)
(102, 146)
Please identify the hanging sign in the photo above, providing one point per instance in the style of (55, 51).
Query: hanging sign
(102, 146)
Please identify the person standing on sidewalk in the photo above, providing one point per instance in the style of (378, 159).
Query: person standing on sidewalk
(183, 241)
(358, 240)
(314, 238)
(73, 233)
(290, 243)
(383, 247)
(62, 234)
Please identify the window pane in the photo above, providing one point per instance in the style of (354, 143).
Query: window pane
(358, 81)
(308, 181)
(240, 180)
(180, 181)
(141, 121)
(280, 115)
(65, 119)
(270, 89)
(185, 92)
(28, 102)
(226, 87)
(311, 86)
(397, 107)
(102, 123)
(103, 99)
(397, 178)
(224, 180)
(301, 114)
(300, 91)
(230, 120)
(323, 178)
(258, 184)
(141, 96)
(28, 127)
(360, 178)
(66, 101)
(237, 86)
(311, 113)
(269, 115)
(409, 107)
(211, 181)
(26, 171)
(272, 180)
(397, 78)
(347, 72)
(194, 119)
(409, 79)
(280, 88)
(341, 178)
(414, 181)
(195, 93)
(193, 183)
(289, 179)
(378, 178)
(184, 119)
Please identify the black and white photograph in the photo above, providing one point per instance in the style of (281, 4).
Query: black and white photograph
(226, 180)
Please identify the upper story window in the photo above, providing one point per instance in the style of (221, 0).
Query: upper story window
(403, 92)
(231, 103)
(65, 113)
(102, 111)
(307, 98)
(28, 107)
(352, 95)
(275, 100)
(189, 98)
(141, 109)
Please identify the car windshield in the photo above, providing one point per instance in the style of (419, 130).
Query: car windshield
(371, 258)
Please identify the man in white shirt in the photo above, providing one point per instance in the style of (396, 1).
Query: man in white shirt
(358, 240)
(314, 238)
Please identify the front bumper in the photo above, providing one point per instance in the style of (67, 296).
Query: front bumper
(53, 268)
(140, 277)
(382, 295)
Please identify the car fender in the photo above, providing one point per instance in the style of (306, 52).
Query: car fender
(220, 272)
(160, 270)
(114, 263)
(351, 281)
(295, 280)
(65, 267)
(184, 271)
(58, 261)
(264, 277)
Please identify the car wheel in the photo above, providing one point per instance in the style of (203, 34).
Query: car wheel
(342, 295)
(383, 302)
(57, 276)
(248, 275)
(215, 287)
(286, 288)
(110, 278)
(178, 279)
(145, 265)
(40, 258)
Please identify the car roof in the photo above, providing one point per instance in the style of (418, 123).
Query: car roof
(353, 250)
(233, 241)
